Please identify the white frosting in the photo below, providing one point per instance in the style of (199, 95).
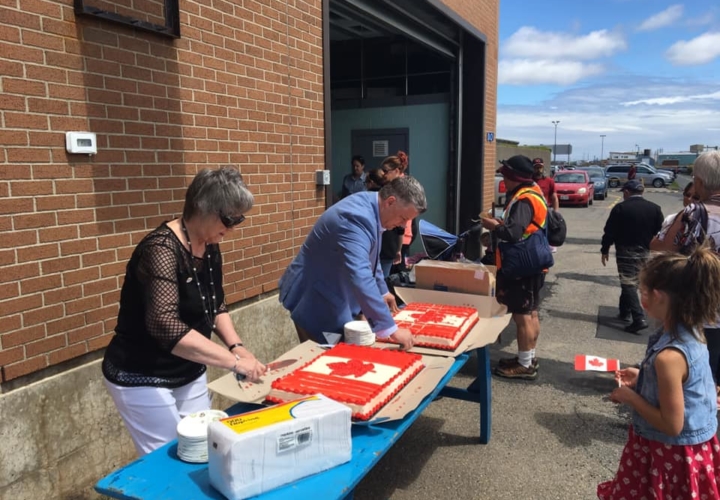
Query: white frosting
(379, 375)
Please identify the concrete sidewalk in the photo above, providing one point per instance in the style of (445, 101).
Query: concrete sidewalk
(553, 438)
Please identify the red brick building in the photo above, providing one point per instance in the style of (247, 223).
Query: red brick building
(247, 82)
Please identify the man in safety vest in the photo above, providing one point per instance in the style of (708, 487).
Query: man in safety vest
(525, 212)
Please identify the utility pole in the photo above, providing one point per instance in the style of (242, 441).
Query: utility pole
(602, 146)
(555, 142)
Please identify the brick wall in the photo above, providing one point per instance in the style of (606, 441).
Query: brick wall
(242, 86)
(485, 16)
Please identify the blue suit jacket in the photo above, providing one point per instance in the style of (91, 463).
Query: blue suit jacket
(337, 273)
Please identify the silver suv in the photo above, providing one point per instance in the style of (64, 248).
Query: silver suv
(617, 174)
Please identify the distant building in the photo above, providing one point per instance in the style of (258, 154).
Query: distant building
(614, 156)
(683, 158)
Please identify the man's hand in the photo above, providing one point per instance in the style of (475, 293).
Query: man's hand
(490, 224)
(403, 337)
(604, 259)
(389, 299)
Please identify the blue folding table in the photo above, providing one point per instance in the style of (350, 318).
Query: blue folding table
(161, 475)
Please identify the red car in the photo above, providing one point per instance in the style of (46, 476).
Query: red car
(574, 187)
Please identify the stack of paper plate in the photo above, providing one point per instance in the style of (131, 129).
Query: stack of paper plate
(359, 333)
(192, 435)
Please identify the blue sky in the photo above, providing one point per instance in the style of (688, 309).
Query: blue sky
(645, 73)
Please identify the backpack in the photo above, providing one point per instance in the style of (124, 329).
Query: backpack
(556, 226)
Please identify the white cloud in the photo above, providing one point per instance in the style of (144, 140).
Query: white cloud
(528, 42)
(700, 50)
(664, 101)
(652, 113)
(662, 19)
(538, 71)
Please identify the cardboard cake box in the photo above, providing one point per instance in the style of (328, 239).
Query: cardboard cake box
(457, 277)
(403, 403)
(493, 318)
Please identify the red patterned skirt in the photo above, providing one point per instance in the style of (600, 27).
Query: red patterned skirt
(650, 469)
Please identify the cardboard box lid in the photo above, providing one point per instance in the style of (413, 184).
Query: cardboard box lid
(403, 403)
(458, 277)
(485, 331)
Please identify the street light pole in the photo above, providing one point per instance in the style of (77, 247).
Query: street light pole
(555, 122)
(602, 146)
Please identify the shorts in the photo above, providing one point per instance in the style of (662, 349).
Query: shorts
(520, 295)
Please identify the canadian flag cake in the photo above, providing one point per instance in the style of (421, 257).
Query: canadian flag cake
(435, 325)
(363, 378)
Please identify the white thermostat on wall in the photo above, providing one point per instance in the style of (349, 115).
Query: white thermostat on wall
(83, 143)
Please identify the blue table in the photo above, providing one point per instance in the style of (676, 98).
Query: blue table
(161, 475)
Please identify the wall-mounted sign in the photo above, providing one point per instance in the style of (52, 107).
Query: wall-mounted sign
(490, 136)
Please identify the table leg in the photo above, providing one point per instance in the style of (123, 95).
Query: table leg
(484, 381)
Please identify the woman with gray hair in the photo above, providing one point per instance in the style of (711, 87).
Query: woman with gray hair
(700, 223)
(172, 300)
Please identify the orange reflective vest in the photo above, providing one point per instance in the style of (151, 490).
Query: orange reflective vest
(540, 210)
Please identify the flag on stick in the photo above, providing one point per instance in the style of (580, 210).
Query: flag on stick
(585, 362)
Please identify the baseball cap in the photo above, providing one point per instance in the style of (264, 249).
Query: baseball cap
(538, 161)
(633, 186)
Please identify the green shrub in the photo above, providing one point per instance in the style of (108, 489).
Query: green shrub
(690, 170)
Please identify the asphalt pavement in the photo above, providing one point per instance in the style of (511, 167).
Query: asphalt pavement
(552, 438)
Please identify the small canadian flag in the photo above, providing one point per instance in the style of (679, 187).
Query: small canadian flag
(584, 362)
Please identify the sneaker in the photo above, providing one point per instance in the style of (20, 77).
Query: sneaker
(636, 326)
(553, 249)
(517, 371)
(506, 362)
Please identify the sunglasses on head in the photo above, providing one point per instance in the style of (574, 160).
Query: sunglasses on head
(229, 222)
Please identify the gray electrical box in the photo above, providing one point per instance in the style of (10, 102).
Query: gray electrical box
(322, 177)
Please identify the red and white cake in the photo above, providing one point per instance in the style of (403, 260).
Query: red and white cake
(363, 378)
(435, 325)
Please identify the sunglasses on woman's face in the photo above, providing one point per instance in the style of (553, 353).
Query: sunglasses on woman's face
(229, 222)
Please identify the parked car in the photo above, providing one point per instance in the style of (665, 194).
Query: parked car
(597, 176)
(500, 191)
(574, 187)
(617, 174)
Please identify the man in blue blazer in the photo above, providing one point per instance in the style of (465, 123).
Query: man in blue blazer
(337, 274)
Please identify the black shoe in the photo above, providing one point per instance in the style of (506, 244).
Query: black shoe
(636, 326)
(626, 318)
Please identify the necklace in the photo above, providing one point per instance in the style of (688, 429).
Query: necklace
(209, 303)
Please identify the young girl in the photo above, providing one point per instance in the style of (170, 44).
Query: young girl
(672, 451)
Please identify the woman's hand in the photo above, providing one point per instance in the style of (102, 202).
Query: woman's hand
(249, 366)
(627, 377)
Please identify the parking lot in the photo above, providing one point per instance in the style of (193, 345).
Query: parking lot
(553, 438)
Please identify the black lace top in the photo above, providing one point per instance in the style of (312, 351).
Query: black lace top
(159, 304)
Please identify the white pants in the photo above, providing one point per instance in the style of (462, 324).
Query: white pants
(151, 414)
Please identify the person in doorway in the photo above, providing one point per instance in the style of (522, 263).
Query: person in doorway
(631, 226)
(397, 166)
(374, 179)
(172, 300)
(354, 182)
(525, 213)
(336, 277)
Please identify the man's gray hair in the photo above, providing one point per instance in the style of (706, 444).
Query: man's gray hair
(707, 169)
(217, 192)
(407, 190)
